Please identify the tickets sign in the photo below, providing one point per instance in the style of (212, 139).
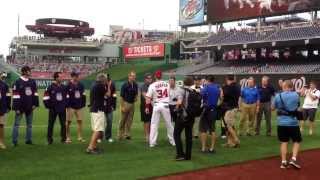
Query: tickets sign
(143, 51)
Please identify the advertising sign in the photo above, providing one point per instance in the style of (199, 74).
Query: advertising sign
(191, 12)
(144, 51)
(230, 10)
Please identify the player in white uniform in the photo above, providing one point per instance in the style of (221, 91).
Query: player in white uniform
(158, 93)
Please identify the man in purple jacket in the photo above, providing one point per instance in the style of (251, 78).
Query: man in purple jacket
(55, 99)
(5, 106)
(25, 100)
(76, 102)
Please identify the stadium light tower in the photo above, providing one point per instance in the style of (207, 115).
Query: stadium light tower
(18, 25)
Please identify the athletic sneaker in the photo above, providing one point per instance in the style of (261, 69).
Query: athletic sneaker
(110, 140)
(294, 164)
(223, 137)
(81, 140)
(212, 151)
(284, 165)
(310, 132)
(68, 141)
(99, 141)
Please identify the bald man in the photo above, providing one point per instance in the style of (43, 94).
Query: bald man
(287, 103)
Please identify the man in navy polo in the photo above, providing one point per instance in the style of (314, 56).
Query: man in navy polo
(55, 99)
(249, 105)
(129, 94)
(210, 94)
(25, 100)
(266, 92)
(5, 106)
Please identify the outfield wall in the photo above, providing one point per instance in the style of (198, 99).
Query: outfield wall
(299, 80)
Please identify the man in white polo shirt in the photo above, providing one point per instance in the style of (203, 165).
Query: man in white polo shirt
(310, 106)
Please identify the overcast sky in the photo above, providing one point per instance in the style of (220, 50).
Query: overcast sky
(99, 13)
(160, 15)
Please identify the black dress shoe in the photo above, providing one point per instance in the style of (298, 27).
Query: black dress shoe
(180, 158)
(128, 138)
(29, 143)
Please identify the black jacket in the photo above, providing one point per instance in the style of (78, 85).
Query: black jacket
(97, 101)
(5, 98)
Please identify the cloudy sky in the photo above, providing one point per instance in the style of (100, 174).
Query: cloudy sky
(99, 13)
(156, 14)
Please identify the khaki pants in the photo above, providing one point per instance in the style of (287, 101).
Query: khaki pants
(248, 118)
(76, 112)
(265, 108)
(196, 126)
(2, 120)
(126, 120)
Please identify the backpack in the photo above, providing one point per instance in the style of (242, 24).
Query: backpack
(194, 103)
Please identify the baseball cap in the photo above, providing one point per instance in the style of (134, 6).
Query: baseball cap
(158, 74)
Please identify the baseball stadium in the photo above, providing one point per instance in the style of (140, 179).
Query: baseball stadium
(124, 100)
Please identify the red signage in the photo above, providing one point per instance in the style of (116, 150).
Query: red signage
(143, 51)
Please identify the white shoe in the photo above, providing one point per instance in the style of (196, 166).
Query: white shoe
(99, 141)
(81, 140)
(223, 137)
(152, 145)
(2, 146)
(110, 140)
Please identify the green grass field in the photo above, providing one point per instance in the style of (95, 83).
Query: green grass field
(120, 72)
(121, 160)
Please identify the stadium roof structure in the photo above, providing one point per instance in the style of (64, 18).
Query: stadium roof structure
(61, 28)
(277, 20)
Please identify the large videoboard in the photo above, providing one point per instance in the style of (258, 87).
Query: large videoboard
(231, 10)
(191, 12)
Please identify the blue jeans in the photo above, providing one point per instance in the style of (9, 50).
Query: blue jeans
(15, 132)
(108, 131)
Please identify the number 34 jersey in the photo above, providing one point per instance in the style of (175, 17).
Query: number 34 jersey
(159, 92)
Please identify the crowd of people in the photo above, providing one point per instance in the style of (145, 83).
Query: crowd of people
(45, 68)
(194, 108)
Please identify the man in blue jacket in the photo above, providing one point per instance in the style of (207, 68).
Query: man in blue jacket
(55, 99)
(76, 102)
(25, 100)
(5, 106)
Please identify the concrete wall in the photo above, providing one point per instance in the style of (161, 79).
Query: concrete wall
(107, 50)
